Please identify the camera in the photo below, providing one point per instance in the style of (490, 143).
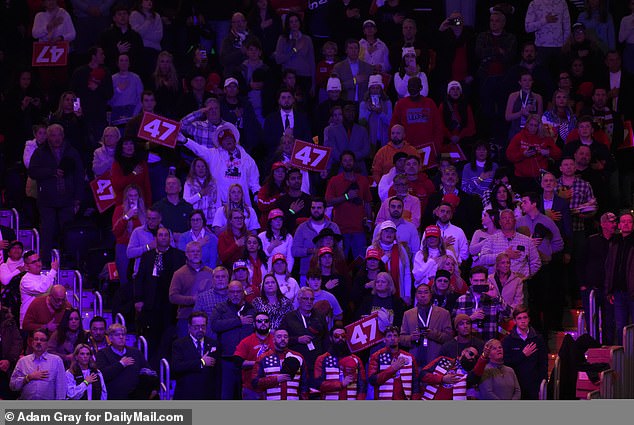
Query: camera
(455, 21)
(521, 248)
(76, 104)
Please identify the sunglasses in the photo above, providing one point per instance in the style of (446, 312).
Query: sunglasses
(262, 321)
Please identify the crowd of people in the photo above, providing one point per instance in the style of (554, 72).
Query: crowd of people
(478, 185)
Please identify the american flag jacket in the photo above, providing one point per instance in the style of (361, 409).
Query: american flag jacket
(435, 389)
(390, 384)
(330, 372)
(268, 365)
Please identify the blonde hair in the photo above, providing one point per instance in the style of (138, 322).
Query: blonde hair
(390, 282)
(168, 79)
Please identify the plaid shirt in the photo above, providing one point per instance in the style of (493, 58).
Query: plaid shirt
(494, 309)
(526, 265)
(201, 130)
(206, 301)
(581, 193)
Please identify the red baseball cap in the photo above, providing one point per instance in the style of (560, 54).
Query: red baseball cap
(452, 199)
(373, 253)
(432, 230)
(274, 213)
(277, 257)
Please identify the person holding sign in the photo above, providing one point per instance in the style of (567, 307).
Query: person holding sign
(229, 163)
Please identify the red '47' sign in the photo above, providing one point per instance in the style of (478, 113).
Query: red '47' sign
(309, 156)
(50, 54)
(113, 274)
(364, 333)
(103, 192)
(427, 156)
(159, 130)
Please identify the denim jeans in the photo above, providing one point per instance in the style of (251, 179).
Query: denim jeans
(354, 242)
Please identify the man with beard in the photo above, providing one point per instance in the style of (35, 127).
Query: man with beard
(605, 119)
(349, 195)
(527, 354)
(194, 362)
(303, 246)
(420, 118)
(295, 203)
(384, 159)
(151, 292)
(339, 374)
(464, 338)
(281, 373)
(411, 204)
(283, 120)
(406, 232)
(97, 338)
(447, 378)
(392, 371)
(425, 327)
(248, 351)
(452, 235)
(543, 82)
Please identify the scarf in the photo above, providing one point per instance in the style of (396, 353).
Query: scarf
(256, 280)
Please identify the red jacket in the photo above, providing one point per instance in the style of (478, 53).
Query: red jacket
(530, 166)
(120, 181)
(228, 250)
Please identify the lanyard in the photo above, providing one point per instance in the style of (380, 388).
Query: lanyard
(303, 320)
(423, 322)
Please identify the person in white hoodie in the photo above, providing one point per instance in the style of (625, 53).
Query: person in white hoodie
(14, 264)
(34, 283)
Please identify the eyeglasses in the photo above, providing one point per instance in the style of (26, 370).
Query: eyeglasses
(262, 321)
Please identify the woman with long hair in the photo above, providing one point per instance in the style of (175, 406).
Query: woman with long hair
(295, 51)
(165, 85)
(531, 152)
(560, 119)
(502, 198)
(272, 189)
(272, 301)
(597, 18)
(477, 174)
(69, 333)
(84, 381)
(276, 238)
(409, 68)
(427, 257)
(332, 279)
(509, 284)
(395, 257)
(288, 285)
(257, 261)
(130, 167)
(231, 242)
(443, 294)
(450, 264)
(457, 118)
(363, 280)
(200, 189)
(490, 226)
(199, 232)
(235, 201)
(127, 216)
(385, 300)
(375, 110)
(74, 123)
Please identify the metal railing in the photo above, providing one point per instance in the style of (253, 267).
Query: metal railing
(141, 344)
(56, 257)
(617, 360)
(581, 324)
(166, 383)
(543, 390)
(10, 218)
(594, 317)
(556, 375)
(30, 238)
(628, 361)
(120, 319)
(607, 386)
(97, 306)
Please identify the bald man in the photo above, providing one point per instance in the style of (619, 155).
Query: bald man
(383, 160)
(47, 311)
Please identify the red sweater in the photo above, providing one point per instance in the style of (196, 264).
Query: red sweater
(120, 181)
(228, 250)
(120, 226)
(530, 166)
(422, 122)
